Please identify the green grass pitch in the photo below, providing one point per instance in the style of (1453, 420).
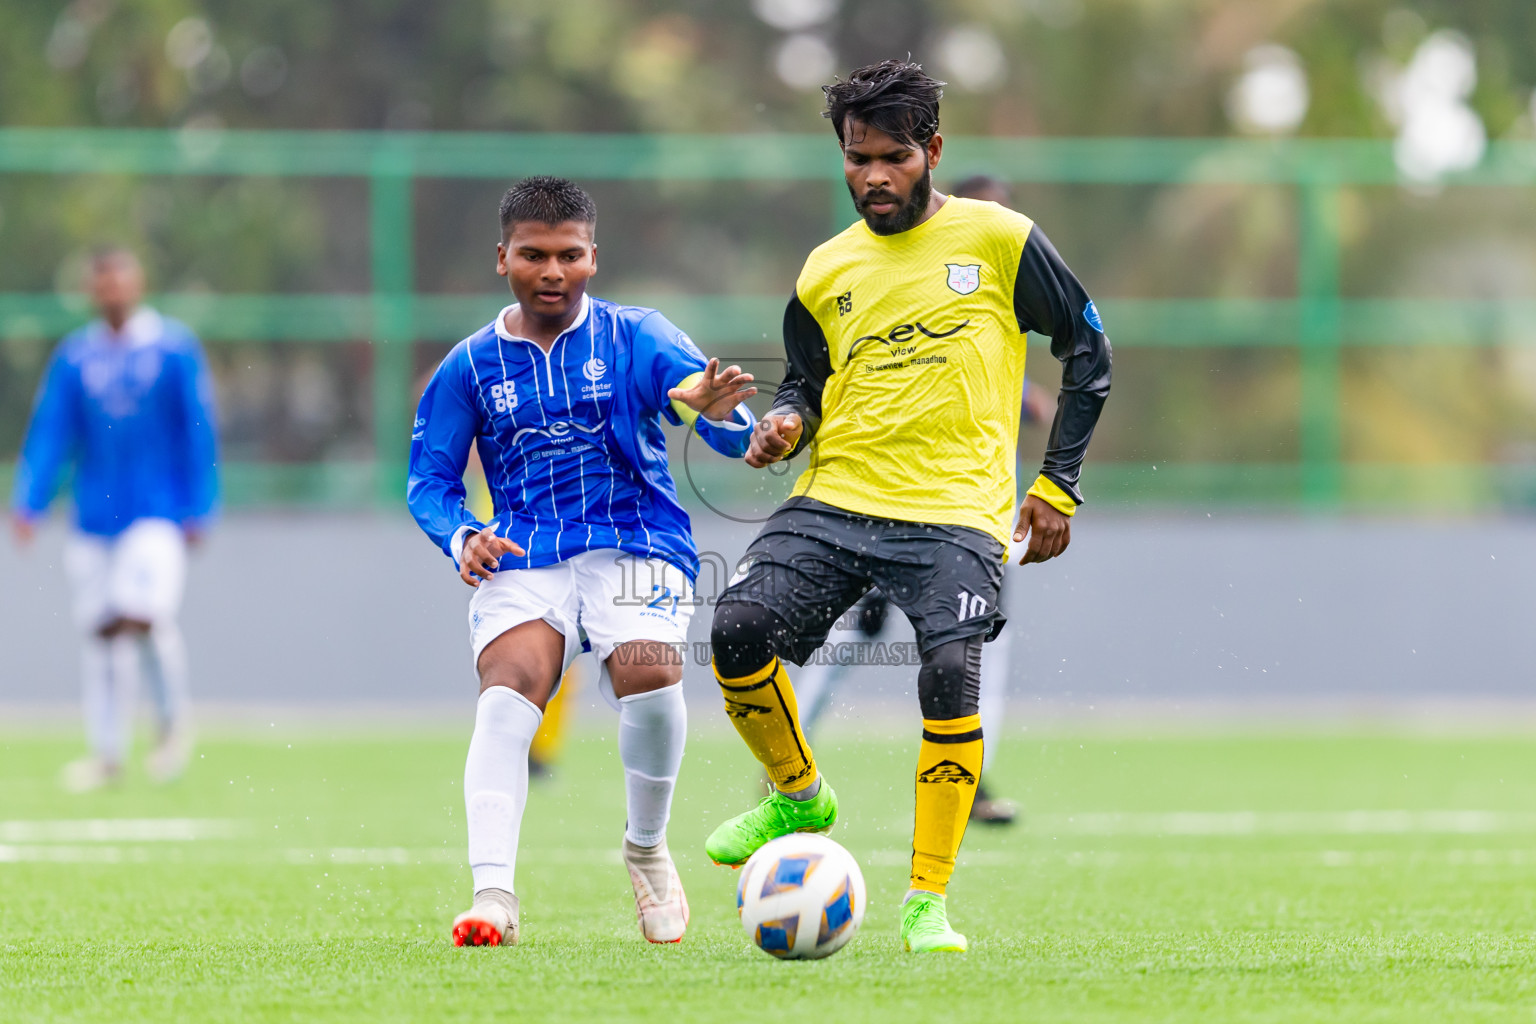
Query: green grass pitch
(1199, 878)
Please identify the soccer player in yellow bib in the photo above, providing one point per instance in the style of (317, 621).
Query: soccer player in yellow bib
(905, 340)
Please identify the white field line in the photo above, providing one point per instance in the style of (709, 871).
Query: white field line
(373, 856)
(119, 830)
(382, 855)
(1095, 860)
(54, 854)
(1282, 823)
(1093, 823)
(1099, 859)
(84, 841)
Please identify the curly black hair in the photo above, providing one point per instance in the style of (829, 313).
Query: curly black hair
(548, 200)
(894, 96)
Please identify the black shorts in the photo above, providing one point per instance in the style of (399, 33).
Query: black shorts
(869, 612)
(812, 561)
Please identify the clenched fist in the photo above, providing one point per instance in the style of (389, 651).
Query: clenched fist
(772, 440)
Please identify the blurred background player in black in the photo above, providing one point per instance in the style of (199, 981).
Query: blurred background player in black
(865, 621)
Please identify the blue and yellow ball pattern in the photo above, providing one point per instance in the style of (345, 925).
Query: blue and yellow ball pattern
(800, 897)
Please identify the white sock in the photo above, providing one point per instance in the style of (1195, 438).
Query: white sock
(652, 730)
(496, 784)
(995, 670)
(166, 664)
(109, 671)
(127, 666)
(808, 793)
(96, 699)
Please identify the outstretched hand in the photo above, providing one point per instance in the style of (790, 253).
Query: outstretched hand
(1049, 531)
(773, 439)
(482, 555)
(24, 530)
(718, 392)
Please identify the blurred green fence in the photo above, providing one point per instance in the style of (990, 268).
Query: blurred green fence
(1317, 322)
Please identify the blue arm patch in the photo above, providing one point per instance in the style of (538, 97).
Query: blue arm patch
(1091, 314)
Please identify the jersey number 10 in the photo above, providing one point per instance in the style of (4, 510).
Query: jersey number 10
(972, 606)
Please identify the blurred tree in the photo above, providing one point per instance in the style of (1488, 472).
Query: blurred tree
(1047, 67)
(1068, 66)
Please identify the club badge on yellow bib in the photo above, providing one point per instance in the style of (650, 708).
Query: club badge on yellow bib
(964, 278)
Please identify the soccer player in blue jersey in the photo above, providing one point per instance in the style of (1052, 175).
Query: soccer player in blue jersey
(128, 401)
(563, 397)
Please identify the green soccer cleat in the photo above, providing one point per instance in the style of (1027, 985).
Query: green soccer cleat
(775, 815)
(925, 926)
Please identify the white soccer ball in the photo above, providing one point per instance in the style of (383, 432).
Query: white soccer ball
(801, 897)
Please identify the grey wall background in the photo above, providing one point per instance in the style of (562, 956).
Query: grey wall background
(337, 610)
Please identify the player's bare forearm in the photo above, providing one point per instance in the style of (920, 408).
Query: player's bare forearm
(773, 439)
(1048, 530)
(482, 555)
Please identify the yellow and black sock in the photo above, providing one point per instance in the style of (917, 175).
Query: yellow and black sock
(948, 768)
(762, 708)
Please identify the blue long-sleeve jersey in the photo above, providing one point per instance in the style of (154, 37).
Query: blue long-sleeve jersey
(570, 439)
(134, 414)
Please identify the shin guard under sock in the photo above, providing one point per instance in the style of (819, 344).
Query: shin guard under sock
(948, 767)
(762, 708)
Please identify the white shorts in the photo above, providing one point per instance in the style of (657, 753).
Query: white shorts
(596, 600)
(139, 574)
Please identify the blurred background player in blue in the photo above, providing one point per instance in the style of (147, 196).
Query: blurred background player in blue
(127, 404)
(865, 621)
(562, 396)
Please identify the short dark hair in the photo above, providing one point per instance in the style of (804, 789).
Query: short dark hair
(894, 96)
(548, 200)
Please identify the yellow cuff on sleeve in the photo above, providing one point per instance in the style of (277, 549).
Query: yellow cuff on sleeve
(684, 412)
(1047, 491)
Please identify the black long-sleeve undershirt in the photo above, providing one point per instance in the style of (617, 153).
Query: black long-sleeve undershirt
(810, 364)
(1049, 300)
